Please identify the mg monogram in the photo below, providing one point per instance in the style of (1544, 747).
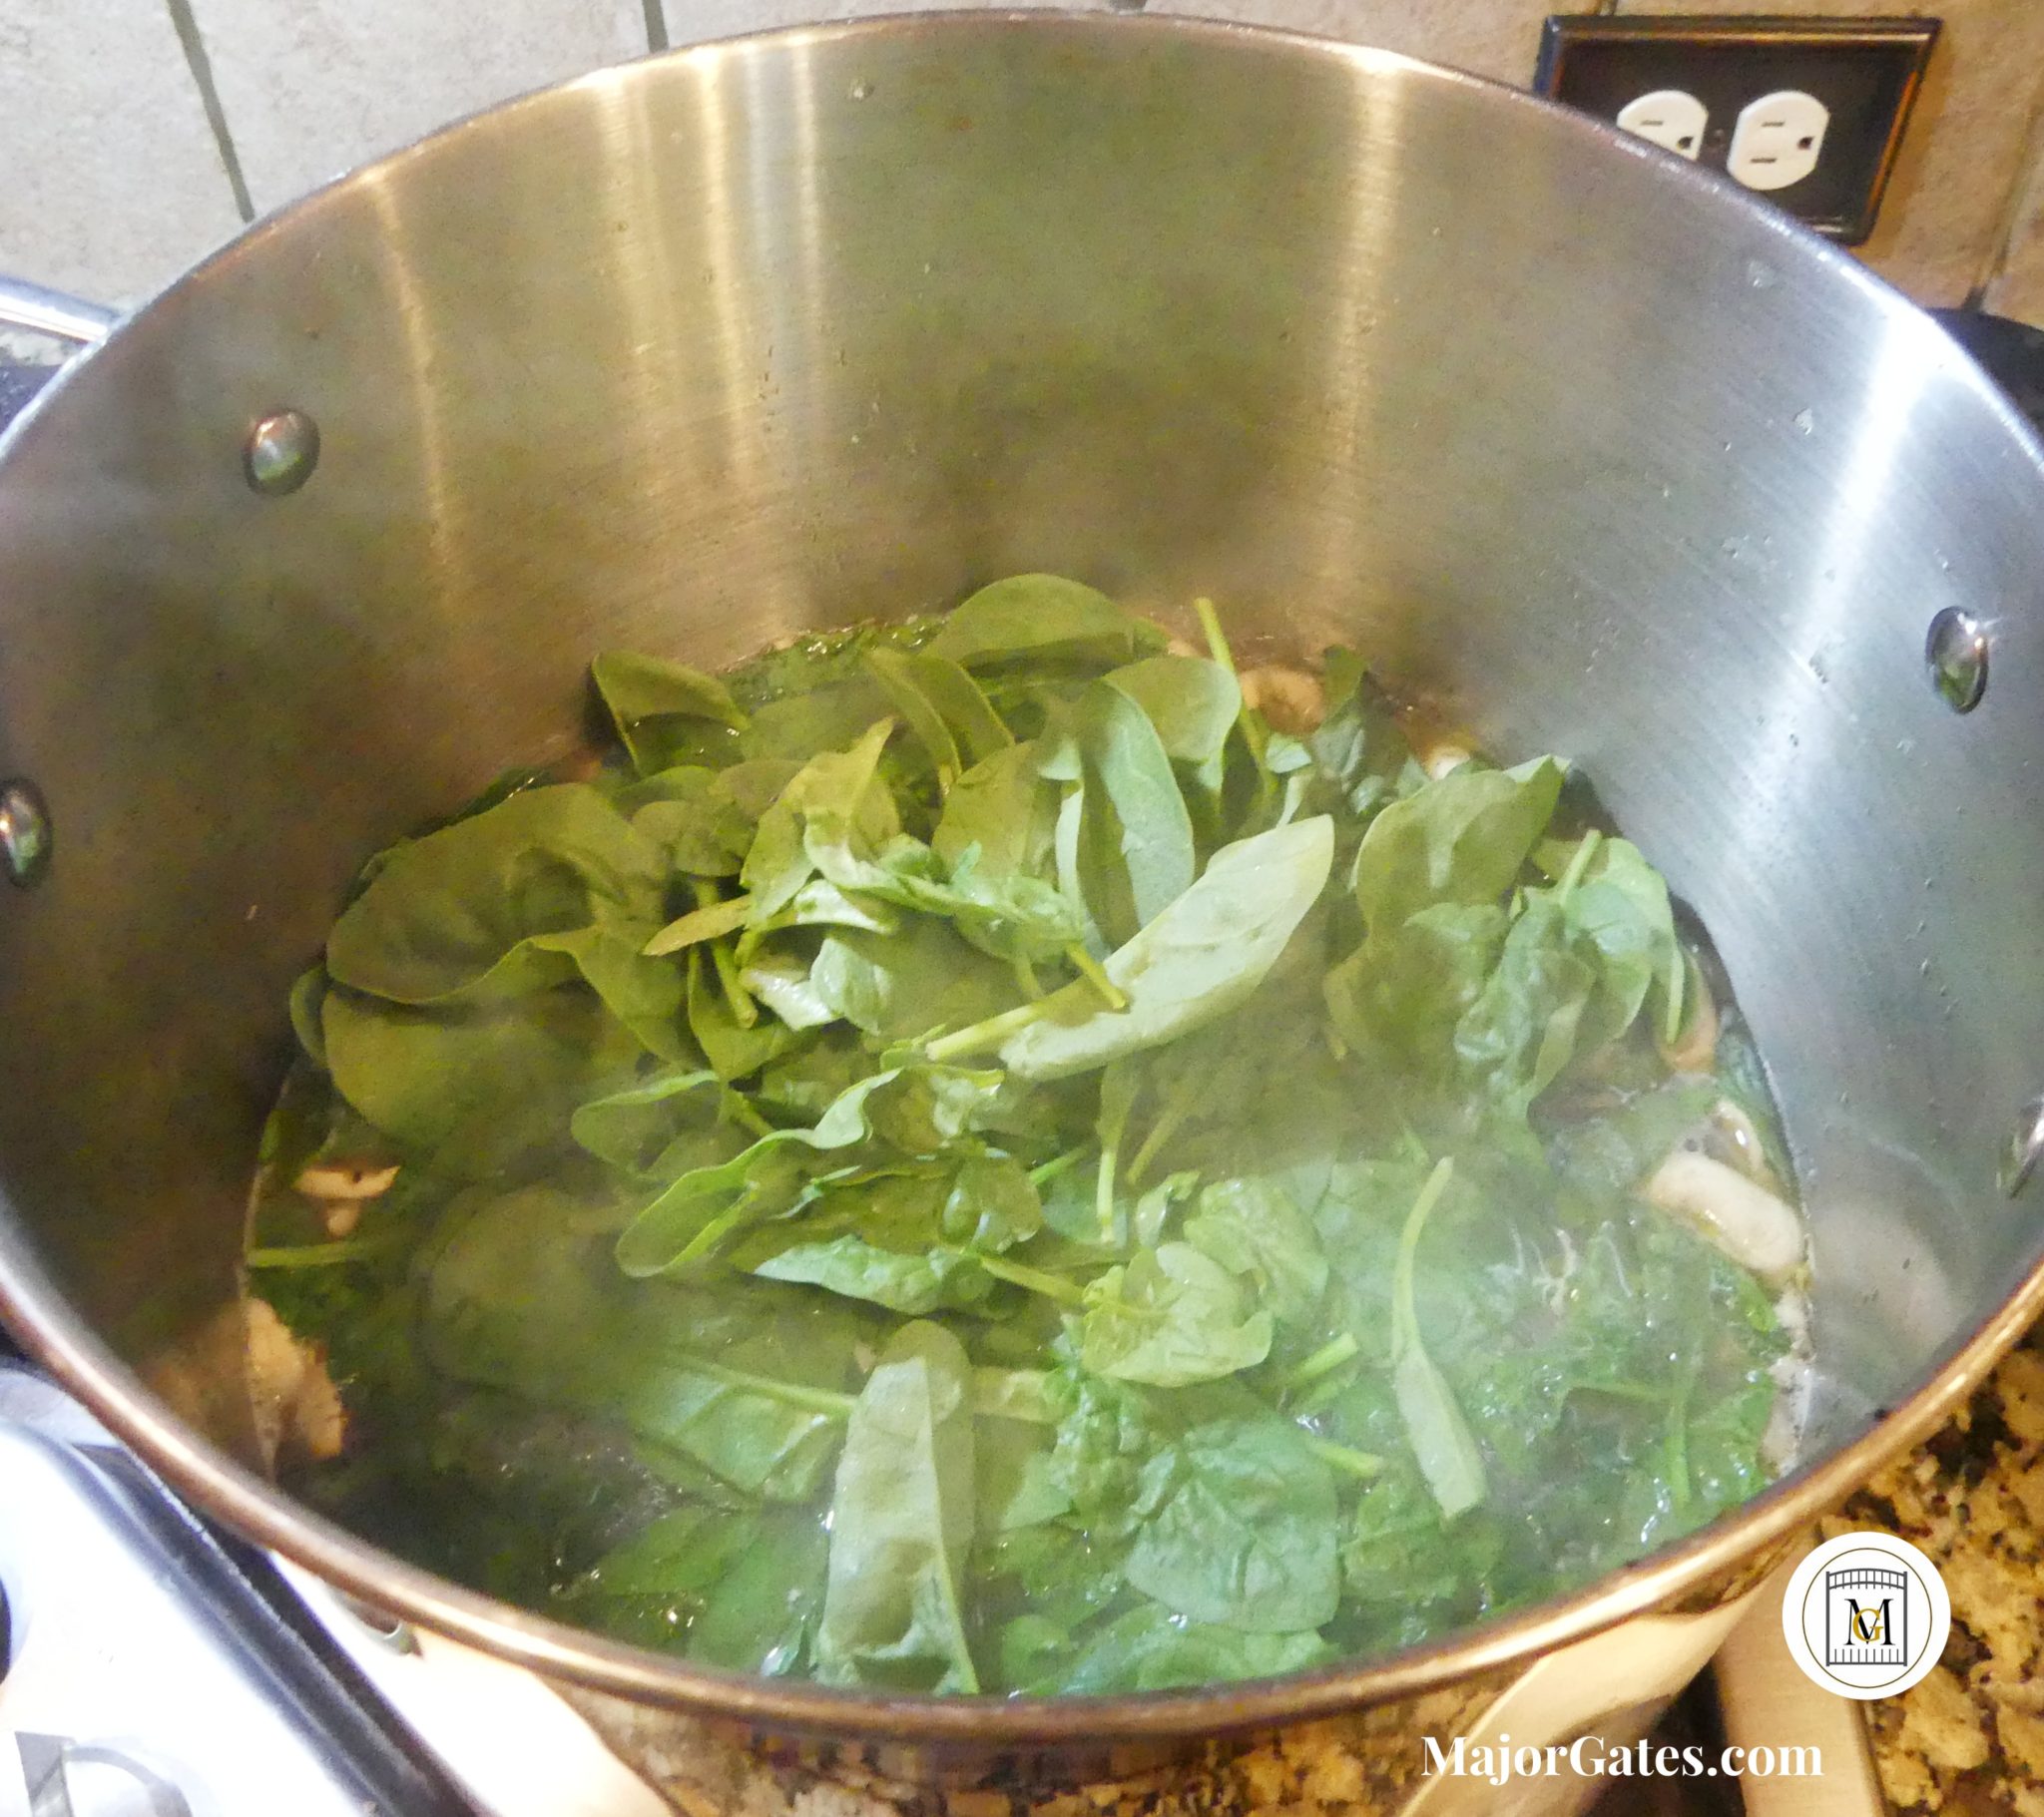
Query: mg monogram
(1867, 1616)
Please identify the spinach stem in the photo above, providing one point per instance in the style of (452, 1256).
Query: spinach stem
(1216, 638)
(739, 1109)
(824, 1401)
(742, 1008)
(1621, 1391)
(1102, 1192)
(1256, 734)
(1017, 1274)
(1113, 1126)
(983, 1035)
(1404, 1314)
(1185, 1099)
(1046, 1171)
(1026, 979)
(705, 1241)
(1578, 865)
(1360, 1464)
(1323, 1361)
(1090, 969)
(1677, 995)
(323, 1255)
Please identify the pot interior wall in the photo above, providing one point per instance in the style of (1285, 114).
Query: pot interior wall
(785, 333)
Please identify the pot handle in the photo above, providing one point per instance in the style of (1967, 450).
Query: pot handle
(51, 312)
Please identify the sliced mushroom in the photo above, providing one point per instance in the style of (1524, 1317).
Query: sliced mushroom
(1732, 1136)
(1292, 699)
(298, 1408)
(318, 1420)
(1438, 760)
(341, 1215)
(329, 1180)
(1740, 1217)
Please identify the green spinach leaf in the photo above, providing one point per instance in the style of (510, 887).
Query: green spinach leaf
(1191, 702)
(463, 912)
(1247, 1537)
(665, 713)
(1150, 1649)
(1041, 617)
(901, 1524)
(1135, 837)
(1463, 838)
(944, 709)
(1203, 956)
(1002, 812)
(833, 817)
(1440, 1435)
(1172, 1316)
(900, 986)
(1253, 1230)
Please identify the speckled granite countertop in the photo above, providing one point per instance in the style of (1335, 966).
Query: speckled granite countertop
(1971, 1738)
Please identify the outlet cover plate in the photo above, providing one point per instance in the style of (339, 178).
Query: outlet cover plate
(1867, 72)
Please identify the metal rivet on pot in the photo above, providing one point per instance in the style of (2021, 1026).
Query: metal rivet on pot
(280, 453)
(2025, 1149)
(1956, 651)
(24, 832)
(379, 1623)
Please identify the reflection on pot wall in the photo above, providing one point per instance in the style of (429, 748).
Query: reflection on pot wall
(137, 137)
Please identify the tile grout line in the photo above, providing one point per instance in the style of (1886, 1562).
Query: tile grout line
(186, 24)
(656, 24)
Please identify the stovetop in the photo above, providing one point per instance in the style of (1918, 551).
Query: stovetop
(151, 1664)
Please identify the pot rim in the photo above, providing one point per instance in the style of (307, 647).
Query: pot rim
(59, 1338)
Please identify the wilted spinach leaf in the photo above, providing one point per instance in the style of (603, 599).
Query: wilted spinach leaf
(1172, 1316)
(665, 713)
(1150, 1649)
(1246, 1538)
(901, 1524)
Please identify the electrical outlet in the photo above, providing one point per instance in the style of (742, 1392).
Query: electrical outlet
(1757, 89)
(1778, 141)
(1671, 119)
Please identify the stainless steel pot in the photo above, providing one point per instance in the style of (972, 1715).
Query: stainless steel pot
(789, 331)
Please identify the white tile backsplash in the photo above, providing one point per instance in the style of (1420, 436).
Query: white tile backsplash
(2017, 288)
(112, 182)
(312, 88)
(1499, 38)
(698, 21)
